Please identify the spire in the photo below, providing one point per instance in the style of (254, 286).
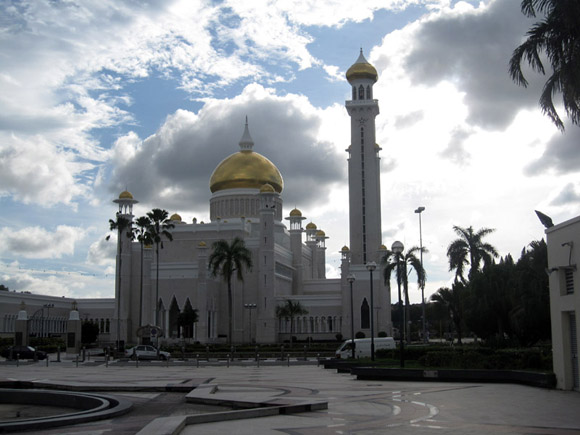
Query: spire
(246, 142)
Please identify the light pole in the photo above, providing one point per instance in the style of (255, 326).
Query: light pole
(419, 211)
(250, 307)
(371, 266)
(397, 248)
(351, 278)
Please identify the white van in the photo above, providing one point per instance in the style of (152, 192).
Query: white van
(362, 347)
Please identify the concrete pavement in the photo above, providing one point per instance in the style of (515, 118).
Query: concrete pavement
(354, 407)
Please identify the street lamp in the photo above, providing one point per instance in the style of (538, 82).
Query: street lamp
(250, 307)
(397, 249)
(351, 278)
(419, 211)
(371, 266)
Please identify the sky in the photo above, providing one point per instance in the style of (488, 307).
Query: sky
(101, 96)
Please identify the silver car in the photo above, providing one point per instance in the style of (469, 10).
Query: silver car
(144, 351)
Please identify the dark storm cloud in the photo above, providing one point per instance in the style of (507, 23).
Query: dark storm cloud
(568, 195)
(472, 50)
(562, 154)
(173, 167)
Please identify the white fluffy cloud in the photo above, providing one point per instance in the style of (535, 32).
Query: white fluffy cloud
(37, 242)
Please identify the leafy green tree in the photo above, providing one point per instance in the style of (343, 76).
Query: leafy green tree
(558, 37)
(225, 259)
(186, 319)
(159, 226)
(470, 249)
(452, 301)
(290, 310)
(403, 264)
(89, 332)
(143, 236)
(4, 288)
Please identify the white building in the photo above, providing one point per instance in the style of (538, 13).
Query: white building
(563, 241)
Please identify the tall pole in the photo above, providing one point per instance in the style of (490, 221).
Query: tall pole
(397, 249)
(350, 278)
(419, 211)
(371, 265)
(250, 307)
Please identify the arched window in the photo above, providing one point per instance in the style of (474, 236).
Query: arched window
(361, 92)
(365, 315)
(369, 93)
(354, 93)
(330, 324)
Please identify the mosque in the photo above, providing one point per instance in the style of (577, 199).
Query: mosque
(288, 255)
(289, 259)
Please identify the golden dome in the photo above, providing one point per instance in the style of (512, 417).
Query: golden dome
(267, 188)
(382, 248)
(295, 213)
(202, 244)
(175, 217)
(311, 226)
(361, 69)
(320, 233)
(245, 169)
(125, 195)
(345, 249)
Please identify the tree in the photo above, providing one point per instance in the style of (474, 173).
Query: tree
(158, 228)
(452, 301)
(143, 236)
(469, 249)
(123, 227)
(225, 259)
(186, 319)
(403, 264)
(4, 288)
(89, 332)
(290, 310)
(558, 36)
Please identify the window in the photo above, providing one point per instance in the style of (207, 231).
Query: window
(569, 280)
(365, 318)
(369, 93)
(354, 93)
(361, 92)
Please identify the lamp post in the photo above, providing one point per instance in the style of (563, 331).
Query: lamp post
(351, 278)
(371, 266)
(250, 307)
(397, 248)
(419, 211)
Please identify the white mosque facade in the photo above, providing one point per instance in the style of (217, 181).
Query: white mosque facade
(288, 255)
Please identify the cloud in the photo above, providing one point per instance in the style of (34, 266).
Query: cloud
(568, 195)
(103, 252)
(36, 242)
(172, 168)
(562, 154)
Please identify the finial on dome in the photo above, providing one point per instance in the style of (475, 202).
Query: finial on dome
(246, 142)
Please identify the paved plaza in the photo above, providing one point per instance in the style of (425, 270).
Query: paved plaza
(354, 407)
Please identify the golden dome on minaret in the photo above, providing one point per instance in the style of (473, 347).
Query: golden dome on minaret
(361, 69)
(245, 169)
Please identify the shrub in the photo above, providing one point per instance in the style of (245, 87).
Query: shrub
(360, 334)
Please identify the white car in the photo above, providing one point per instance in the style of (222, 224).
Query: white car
(144, 351)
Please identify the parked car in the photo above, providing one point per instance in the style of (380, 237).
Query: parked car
(22, 352)
(144, 351)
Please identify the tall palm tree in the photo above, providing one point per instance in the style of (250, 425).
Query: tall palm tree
(143, 236)
(158, 228)
(225, 259)
(558, 36)
(403, 264)
(290, 310)
(470, 249)
(452, 300)
(123, 227)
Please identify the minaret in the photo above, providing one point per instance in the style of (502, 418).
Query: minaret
(363, 164)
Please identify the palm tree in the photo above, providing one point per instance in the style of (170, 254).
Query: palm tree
(403, 264)
(290, 310)
(225, 259)
(451, 299)
(469, 249)
(143, 236)
(159, 226)
(558, 36)
(123, 227)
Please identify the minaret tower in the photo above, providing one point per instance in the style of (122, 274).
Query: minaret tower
(364, 179)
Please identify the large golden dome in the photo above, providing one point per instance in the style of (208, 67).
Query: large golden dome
(361, 69)
(245, 169)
